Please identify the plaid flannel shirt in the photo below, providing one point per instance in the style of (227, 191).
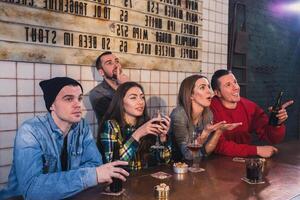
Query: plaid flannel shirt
(128, 146)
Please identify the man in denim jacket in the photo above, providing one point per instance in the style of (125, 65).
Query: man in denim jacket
(55, 155)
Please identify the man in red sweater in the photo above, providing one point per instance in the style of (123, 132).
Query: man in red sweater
(229, 106)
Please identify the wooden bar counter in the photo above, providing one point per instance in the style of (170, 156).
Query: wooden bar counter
(221, 180)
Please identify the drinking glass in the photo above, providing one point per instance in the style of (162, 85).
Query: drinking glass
(194, 147)
(157, 145)
(254, 170)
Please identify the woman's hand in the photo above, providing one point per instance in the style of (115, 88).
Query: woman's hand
(219, 128)
(164, 128)
(213, 127)
(208, 130)
(229, 127)
(150, 127)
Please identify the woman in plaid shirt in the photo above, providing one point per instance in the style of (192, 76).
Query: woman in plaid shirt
(127, 123)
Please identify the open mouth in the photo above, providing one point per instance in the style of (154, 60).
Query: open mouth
(115, 70)
(140, 109)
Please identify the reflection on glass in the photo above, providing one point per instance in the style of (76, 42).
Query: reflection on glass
(194, 147)
(157, 145)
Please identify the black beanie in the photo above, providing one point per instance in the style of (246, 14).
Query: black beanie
(52, 87)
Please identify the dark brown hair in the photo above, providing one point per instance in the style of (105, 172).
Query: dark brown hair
(215, 84)
(98, 61)
(185, 93)
(116, 112)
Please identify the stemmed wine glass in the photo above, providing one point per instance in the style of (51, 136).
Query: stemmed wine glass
(194, 147)
(157, 145)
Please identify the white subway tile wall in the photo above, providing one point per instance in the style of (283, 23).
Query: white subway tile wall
(7, 139)
(8, 69)
(21, 97)
(8, 122)
(58, 70)
(25, 104)
(8, 104)
(154, 76)
(6, 156)
(135, 75)
(8, 87)
(42, 71)
(164, 88)
(25, 87)
(215, 34)
(73, 71)
(87, 74)
(25, 70)
(164, 77)
(145, 75)
(154, 88)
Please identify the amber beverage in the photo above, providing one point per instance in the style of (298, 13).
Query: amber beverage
(194, 147)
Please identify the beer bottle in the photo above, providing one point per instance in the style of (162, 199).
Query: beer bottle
(273, 120)
(116, 185)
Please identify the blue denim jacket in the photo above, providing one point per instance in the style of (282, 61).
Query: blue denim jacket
(36, 169)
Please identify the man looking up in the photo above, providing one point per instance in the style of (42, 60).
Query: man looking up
(55, 155)
(227, 105)
(109, 67)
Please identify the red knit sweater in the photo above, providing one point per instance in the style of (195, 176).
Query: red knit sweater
(237, 141)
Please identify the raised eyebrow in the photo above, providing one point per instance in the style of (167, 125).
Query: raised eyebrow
(203, 84)
(107, 61)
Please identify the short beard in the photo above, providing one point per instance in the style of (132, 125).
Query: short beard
(113, 77)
